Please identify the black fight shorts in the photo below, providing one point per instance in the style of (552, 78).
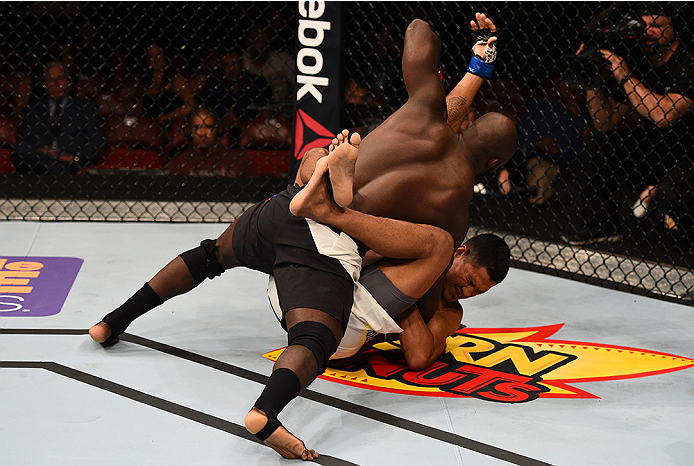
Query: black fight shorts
(313, 266)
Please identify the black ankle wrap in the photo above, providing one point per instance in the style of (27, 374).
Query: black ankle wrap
(202, 261)
(282, 388)
(145, 299)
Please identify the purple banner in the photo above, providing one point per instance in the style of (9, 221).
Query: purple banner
(35, 286)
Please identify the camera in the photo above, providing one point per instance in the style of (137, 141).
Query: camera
(583, 71)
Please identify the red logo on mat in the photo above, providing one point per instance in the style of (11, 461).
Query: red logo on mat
(305, 123)
(509, 365)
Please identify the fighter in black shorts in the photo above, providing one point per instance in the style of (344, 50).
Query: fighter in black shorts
(304, 277)
(414, 168)
(313, 268)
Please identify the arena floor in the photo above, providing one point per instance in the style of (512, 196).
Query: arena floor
(613, 370)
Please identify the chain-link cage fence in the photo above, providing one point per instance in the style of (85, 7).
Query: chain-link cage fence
(183, 112)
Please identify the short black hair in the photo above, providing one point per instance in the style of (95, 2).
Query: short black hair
(657, 9)
(491, 252)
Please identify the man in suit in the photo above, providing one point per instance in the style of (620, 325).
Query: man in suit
(60, 133)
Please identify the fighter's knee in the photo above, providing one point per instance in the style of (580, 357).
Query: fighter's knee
(308, 164)
(203, 262)
(317, 338)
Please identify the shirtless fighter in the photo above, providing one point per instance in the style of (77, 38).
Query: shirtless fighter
(382, 294)
(414, 167)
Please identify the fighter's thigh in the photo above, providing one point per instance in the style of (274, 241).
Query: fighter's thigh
(225, 250)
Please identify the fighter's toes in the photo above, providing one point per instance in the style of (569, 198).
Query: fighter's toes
(355, 140)
(309, 455)
(100, 332)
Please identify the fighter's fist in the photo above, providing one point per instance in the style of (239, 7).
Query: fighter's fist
(484, 46)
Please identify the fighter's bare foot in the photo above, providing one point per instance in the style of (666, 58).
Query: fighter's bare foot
(281, 440)
(315, 201)
(342, 157)
(100, 332)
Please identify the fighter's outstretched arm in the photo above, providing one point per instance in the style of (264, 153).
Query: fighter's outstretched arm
(459, 100)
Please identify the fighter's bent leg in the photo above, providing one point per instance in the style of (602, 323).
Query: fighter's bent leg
(185, 272)
(313, 337)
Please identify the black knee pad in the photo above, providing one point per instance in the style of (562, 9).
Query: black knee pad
(318, 338)
(202, 261)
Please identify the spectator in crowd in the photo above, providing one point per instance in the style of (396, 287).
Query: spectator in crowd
(61, 48)
(168, 96)
(97, 67)
(61, 133)
(272, 128)
(207, 156)
(30, 88)
(661, 90)
(551, 134)
(236, 95)
(262, 59)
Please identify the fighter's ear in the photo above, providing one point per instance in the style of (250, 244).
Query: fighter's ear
(462, 250)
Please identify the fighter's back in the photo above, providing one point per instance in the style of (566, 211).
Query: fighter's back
(414, 167)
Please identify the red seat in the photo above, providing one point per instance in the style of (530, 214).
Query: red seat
(134, 143)
(6, 165)
(268, 162)
(8, 138)
(125, 157)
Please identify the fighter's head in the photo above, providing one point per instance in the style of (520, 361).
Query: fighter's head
(492, 139)
(479, 264)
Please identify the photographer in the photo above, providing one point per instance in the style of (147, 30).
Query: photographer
(657, 84)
